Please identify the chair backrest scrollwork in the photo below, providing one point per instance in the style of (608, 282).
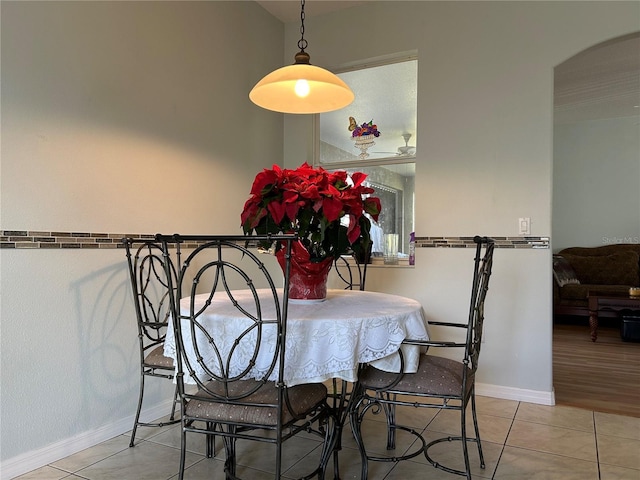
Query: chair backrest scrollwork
(352, 271)
(150, 288)
(221, 277)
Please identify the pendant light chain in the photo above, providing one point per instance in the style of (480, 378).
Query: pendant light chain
(302, 43)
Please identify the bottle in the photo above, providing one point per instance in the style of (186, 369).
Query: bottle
(412, 248)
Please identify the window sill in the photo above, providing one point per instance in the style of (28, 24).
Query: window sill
(379, 262)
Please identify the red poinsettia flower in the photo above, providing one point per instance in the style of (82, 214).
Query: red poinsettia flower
(326, 209)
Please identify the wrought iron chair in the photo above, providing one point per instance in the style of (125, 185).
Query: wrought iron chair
(352, 271)
(440, 382)
(152, 306)
(238, 363)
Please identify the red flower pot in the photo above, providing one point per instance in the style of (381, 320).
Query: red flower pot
(307, 279)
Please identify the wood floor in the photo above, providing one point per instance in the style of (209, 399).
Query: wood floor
(603, 376)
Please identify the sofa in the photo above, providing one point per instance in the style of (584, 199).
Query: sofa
(579, 271)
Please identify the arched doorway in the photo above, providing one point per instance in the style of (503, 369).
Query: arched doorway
(596, 193)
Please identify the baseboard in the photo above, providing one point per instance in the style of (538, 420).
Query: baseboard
(34, 459)
(520, 394)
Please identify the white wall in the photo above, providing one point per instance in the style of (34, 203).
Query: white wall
(124, 103)
(596, 189)
(134, 118)
(485, 130)
(117, 117)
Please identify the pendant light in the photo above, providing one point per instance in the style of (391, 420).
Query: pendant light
(301, 87)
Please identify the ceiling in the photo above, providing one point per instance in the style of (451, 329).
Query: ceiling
(600, 82)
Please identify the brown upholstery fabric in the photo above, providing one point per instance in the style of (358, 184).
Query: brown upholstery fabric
(619, 268)
(601, 250)
(581, 292)
(304, 399)
(435, 375)
(156, 357)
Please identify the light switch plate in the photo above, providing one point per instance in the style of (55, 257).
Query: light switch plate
(524, 226)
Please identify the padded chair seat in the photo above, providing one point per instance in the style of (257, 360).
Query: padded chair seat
(435, 376)
(156, 358)
(303, 398)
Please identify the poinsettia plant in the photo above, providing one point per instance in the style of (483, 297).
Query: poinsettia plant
(326, 209)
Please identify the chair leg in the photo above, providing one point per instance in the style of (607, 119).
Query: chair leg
(211, 440)
(355, 418)
(465, 449)
(137, 418)
(230, 454)
(475, 427)
(390, 413)
(176, 399)
(340, 402)
(183, 449)
(332, 434)
(279, 456)
(336, 450)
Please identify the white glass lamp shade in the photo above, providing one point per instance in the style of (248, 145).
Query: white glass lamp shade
(301, 88)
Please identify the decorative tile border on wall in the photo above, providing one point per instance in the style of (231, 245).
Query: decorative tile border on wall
(39, 239)
(464, 242)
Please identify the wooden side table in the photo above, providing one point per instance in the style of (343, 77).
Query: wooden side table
(608, 302)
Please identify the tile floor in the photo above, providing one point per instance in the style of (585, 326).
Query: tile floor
(520, 441)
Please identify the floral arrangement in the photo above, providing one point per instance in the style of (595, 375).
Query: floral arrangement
(326, 209)
(364, 129)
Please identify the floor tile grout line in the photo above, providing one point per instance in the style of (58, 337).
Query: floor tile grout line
(553, 454)
(595, 439)
(77, 470)
(506, 438)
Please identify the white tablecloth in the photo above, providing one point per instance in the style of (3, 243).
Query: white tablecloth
(324, 340)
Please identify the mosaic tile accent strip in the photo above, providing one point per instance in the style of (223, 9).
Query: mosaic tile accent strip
(464, 242)
(84, 240)
(65, 240)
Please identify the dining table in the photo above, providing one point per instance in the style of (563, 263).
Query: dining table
(325, 340)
